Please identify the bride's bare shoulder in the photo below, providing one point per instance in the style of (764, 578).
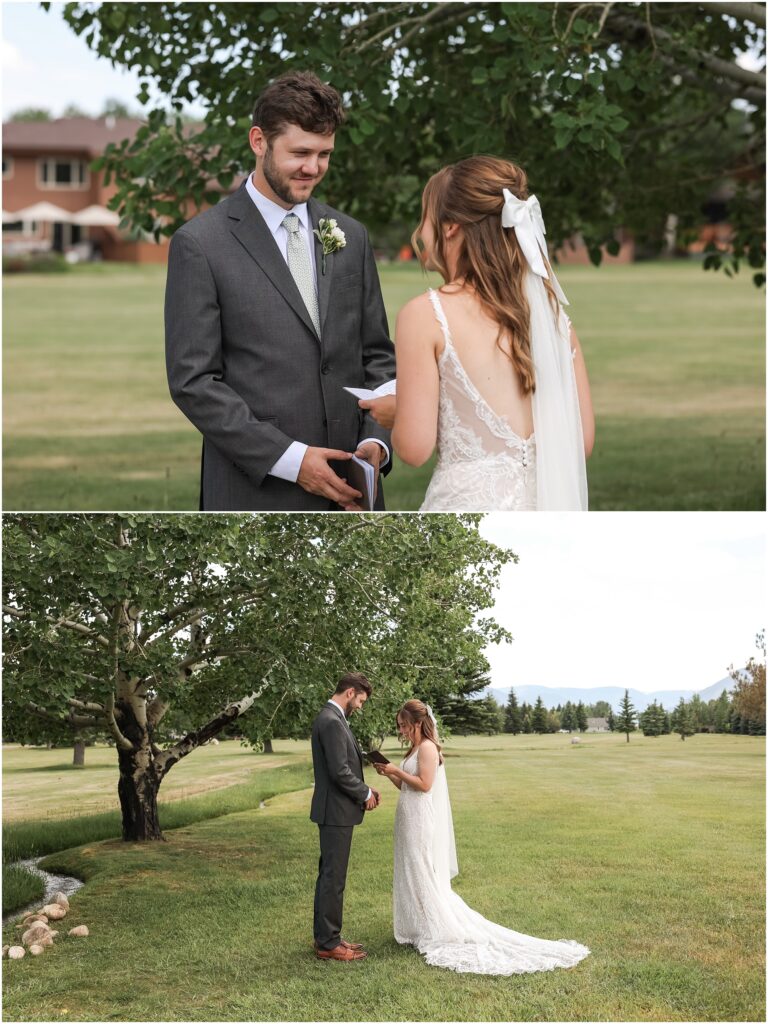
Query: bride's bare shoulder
(428, 747)
(416, 312)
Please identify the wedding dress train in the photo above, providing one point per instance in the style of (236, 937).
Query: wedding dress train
(429, 915)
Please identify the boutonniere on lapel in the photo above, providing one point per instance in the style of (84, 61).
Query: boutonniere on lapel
(332, 238)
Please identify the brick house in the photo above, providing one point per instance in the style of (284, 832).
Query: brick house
(49, 161)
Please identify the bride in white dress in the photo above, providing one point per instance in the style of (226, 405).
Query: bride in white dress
(489, 369)
(428, 914)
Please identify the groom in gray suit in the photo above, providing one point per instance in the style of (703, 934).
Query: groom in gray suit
(266, 324)
(339, 800)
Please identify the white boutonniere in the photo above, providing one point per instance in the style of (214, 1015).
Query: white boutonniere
(332, 238)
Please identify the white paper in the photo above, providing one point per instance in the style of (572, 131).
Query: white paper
(383, 389)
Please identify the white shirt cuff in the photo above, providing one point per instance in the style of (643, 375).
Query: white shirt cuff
(385, 460)
(288, 465)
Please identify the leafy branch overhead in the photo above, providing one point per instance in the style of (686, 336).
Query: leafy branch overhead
(622, 113)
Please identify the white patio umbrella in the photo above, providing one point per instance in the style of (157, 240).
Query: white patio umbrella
(45, 212)
(96, 216)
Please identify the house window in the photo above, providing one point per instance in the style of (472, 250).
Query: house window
(7, 167)
(24, 228)
(58, 172)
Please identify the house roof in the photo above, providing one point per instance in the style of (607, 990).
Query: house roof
(68, 134)
(594, 722)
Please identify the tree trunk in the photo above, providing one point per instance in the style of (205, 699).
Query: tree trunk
(140, 780)
(78, 759)
(268, 747)
(627, 737)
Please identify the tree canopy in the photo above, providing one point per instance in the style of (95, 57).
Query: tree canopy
(111, 621)
(621, 113)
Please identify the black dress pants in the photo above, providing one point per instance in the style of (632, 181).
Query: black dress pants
(335, 844)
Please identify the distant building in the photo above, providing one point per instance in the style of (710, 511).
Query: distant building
(597, 725)
(47, 164)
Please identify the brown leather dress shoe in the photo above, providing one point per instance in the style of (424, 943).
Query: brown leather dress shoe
(347, 945)
(341, 953)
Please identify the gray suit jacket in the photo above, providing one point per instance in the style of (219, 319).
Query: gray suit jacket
(245, 364)
(340, 793)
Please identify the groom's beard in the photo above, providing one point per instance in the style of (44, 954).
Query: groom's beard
(281, 184)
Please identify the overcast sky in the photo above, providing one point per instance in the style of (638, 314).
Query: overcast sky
(46, 65)
(647, 600)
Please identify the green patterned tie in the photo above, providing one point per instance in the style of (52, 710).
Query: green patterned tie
(300, 266)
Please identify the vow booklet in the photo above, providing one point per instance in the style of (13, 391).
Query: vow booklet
(383, 389)
(362, 477)
(376, 757)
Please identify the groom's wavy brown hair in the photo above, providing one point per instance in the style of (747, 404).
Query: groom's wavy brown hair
(491, 262)
(415, 713)
(298, 97)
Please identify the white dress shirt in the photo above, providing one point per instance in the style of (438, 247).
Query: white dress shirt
(288, 465)
(340, 709)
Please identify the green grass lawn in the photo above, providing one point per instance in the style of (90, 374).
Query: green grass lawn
(676, 357)
(650, 853)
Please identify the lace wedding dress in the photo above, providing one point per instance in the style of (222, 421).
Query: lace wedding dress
(429, 915)
(482, 464)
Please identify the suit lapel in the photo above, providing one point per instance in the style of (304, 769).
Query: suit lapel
(250, 229)
(341, 715)
(316, 212)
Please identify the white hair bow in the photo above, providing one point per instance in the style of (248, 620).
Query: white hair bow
(524, 215)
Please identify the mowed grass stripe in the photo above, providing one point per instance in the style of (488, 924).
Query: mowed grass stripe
(676, 358)
(650, 852)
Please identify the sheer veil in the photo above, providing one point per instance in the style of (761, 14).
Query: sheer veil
(561, 469)
(444, 842)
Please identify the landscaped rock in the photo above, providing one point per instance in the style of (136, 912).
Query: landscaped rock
(5, 951)
(81, 930)
(16, 952)
(37, 933)
(54, 912)
(36, 949)
(62, 900)
(34, 917)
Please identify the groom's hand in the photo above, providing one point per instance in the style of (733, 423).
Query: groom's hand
(372, 802)
(372, 453)
(317, 477)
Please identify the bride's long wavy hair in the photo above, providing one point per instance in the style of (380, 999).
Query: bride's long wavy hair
(415, 713)
(469, 193)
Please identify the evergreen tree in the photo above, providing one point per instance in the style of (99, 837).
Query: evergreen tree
(600, 709)
(682, 720)
(568, 717)
(539, 717)
(581, 717)
(625, 720)
(652, 720)
(611, 720)
(525, 710)
(513, 719)
(667, 723)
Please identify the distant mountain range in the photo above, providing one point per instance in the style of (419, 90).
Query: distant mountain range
(554, 695)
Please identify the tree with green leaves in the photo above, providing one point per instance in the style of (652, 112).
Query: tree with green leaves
(625, 720)
(611, 720)
(527, 717)
(121, 618)
(682, 720)
(554, 722)
(749, 691)
(600, 709)
(581, 717)
(513, 720)
(568, 718)
(652, 720)
(539, 717)
(29, 114)
(651, 103)
(721, 712)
